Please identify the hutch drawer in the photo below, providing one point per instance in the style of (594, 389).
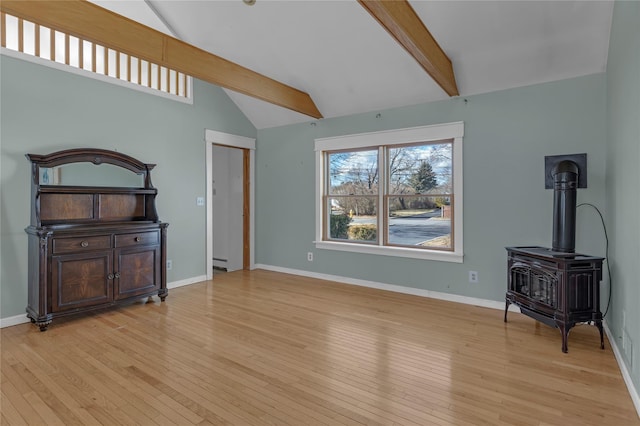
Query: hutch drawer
(137, 239)
(80, 244)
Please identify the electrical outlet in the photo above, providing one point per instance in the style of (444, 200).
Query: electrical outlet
(169, 265)
(473, 276)
(310, 257)
(200, 201)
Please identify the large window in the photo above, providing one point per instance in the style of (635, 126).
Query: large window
(393, 193)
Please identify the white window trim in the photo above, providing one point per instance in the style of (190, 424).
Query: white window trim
(431, 133)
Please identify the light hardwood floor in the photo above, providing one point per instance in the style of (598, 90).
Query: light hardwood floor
(261, 348)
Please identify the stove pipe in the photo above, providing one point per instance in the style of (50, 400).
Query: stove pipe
(565, 183)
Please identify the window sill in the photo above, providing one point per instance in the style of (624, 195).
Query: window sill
(442, 256)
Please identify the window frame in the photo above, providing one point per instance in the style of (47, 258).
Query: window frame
(406, 136)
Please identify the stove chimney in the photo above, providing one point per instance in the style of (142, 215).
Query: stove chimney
(565, 183)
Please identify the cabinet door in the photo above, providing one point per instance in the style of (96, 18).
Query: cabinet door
(80, 280)
(137, 271)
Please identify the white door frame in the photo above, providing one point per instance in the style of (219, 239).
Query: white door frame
(212, 137)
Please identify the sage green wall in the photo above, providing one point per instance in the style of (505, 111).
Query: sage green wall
(507, 135)
(45, 110)
(623, 178)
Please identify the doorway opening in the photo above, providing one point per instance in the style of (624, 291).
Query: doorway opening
(230, 197)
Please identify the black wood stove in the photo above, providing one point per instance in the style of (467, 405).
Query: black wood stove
(556, 286)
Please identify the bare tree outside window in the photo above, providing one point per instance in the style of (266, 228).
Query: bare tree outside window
(417, 195)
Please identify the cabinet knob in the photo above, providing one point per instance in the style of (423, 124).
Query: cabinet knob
(110, 276)
(117, 274)
(136, 239)
(85, 244)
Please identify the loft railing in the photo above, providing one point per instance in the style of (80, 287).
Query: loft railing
(26, 37)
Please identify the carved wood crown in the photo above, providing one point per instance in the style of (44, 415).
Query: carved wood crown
(91, 155)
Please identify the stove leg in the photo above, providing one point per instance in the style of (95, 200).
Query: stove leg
(565, 337)
(506, 308)
(599, 325)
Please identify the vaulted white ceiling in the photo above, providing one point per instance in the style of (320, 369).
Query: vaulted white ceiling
(337, 53)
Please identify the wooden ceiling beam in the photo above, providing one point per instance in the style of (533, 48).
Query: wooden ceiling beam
(402, 22)
(91, 22)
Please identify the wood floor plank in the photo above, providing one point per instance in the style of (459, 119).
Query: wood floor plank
(10, 414)
(64, 404)
(260, 347)
(17, 397)
(45, 411)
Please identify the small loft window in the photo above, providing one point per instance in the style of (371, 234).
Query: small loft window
(26, 39)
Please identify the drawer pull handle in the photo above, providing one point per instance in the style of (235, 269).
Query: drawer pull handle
(85, 244)
(136, 239)
(117, 274)
(110, 276)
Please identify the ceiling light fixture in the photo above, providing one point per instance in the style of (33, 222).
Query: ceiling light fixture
(249, 2)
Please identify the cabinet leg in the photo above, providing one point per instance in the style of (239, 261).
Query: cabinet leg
(162, 294)
(43, 325)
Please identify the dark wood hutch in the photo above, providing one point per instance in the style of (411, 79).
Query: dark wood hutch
(92, 246)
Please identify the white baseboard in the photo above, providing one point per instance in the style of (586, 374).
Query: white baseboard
(186, 281)
(393, 287)
(22, 318)
(14, 320)
(626, 375)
